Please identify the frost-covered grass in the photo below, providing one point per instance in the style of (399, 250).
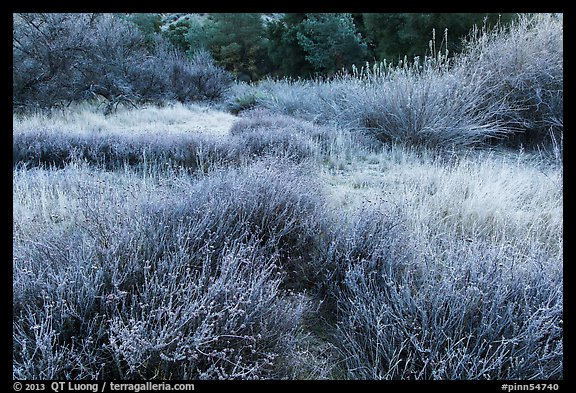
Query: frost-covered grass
(163, 275)
(450, 267)
(497, 195)
(89, 118)
(186, 243)
(191, 137)
(506, 86)
(349, 262)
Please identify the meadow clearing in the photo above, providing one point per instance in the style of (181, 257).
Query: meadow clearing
(397, 222)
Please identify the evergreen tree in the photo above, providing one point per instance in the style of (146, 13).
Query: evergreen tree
(287, 57)
(176, 34)
(196, 37)
(238, 43)
(395, 35)
(331, 42)
(148, 23)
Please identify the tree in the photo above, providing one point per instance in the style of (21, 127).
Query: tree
(149, 24)
(238, 43)
(62, 58)
(395, 35)
(331, 42)
(196, 37)
(287, 57)
(176, 34)
(59, 58)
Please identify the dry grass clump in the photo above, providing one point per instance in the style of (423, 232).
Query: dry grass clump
(507, 86)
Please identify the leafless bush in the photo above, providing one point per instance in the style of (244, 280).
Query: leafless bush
(195, 79)
(64, 58)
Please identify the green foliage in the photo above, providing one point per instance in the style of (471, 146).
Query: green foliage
(238, 43)
(302, 45)
(331, 42)
(176, 34)
(393, 36)
(196, 36)
(148, 23)
(287, 57)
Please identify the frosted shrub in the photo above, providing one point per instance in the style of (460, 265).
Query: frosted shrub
(371, 233)
(202, 279)
(483, 313)
(177, 321)
(113, 150)
(192, 80)
(206, 322)
(508, 85)
(420, 104)
(261, 132)
(523, 63)
(272, 202)
(428, 107)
